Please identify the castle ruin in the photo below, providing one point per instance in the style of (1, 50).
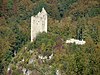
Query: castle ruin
(38, 24)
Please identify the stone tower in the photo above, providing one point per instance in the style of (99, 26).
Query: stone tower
(38, 24)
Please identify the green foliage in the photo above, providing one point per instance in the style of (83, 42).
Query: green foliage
(63, 6)
(10, 4)
(39, 7)
(81, 23)
(93, 11)
(89, 12)
(31, 46)
(33, 1)
(17, 72)
(45, 43)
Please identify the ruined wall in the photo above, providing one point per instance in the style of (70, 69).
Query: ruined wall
(38, 24)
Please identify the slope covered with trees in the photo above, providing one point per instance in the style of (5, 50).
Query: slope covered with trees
(78, 19)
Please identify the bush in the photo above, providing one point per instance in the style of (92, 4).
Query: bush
(45, 42)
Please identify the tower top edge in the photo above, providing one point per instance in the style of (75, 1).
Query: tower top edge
(40, 13)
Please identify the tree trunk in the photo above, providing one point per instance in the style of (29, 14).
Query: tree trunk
(15, 6)
(4, 5)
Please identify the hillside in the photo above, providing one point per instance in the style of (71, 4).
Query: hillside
(79, 19)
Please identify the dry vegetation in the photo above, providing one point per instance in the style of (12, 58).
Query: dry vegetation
(78, 19)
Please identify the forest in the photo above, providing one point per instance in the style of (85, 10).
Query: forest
(79, 19)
